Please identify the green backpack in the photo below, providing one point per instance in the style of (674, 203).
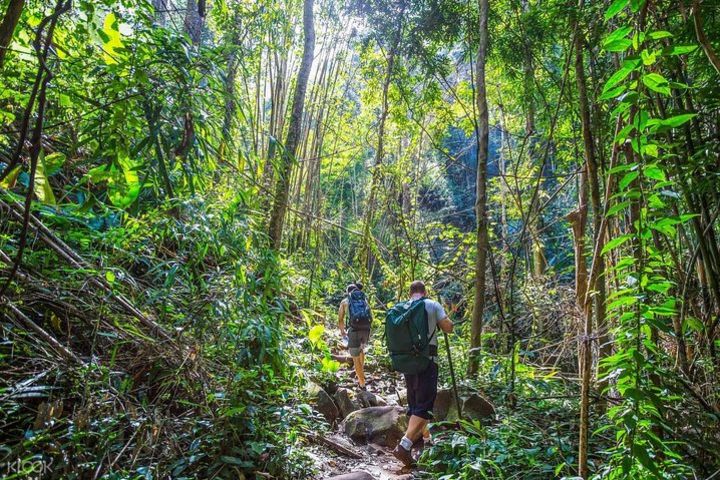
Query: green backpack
(407, 337)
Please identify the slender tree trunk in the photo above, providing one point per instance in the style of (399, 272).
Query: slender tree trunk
(364, 251)
(7, 26)
(702, 38)
(194, 17)
(481, 233)
(230, 100)
(161, 7)
(277, 216)
(591, 175)
(534, 242)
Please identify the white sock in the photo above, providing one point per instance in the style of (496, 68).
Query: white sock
(406, 443)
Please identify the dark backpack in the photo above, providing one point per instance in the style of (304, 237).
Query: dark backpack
(407, 337)
(359, 311)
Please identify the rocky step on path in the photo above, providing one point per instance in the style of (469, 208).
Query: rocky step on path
(366, 423)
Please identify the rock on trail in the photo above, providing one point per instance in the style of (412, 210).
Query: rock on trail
(382, 425)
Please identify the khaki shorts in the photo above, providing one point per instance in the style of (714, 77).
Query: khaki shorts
(357, 341)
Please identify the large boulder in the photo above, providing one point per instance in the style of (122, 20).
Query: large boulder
(382, 425)
(352, 476)
(444, 402)
(476, 407)
(326, 406)
(369, 399)
(346, 402)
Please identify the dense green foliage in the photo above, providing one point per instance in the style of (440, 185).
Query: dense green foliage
(149, 330)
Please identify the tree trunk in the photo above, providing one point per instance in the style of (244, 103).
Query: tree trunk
(194, 16)
(702, 38)
(364, 251)
(7, 26)
(277, 217)
(230, 100)
(591, 175)
(481, 234)
(161, 8)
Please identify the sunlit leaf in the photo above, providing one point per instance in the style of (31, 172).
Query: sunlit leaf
(112, 39)
(315, 334)
(615, 8)
(42, 186)
(656, 83)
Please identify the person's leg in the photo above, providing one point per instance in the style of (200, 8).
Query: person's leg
(424, 391)
(359, 370)
(364, 337)
(416, 425)
(355, 348)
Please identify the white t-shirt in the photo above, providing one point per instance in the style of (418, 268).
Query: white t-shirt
(435, 313)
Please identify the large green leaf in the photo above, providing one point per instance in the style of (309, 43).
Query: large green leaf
(678, 120)
(618, 34)
(111, 39)
(615, 8)
(617, 77)
(656, 83)
(616, 242)
(315, 334)
(123, 183)
(680, 49)
(42, 187)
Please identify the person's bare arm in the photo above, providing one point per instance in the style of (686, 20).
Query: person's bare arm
(446, 325)
(341, 319)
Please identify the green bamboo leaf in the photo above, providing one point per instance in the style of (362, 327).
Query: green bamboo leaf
(614, 92)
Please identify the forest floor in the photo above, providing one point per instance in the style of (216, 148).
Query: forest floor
(376, 460)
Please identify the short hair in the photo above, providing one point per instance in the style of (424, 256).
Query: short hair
(417, 287)
(350, 288)
(358, 285)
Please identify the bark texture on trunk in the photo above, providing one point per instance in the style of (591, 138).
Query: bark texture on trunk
(579, 230)
(481, 234)
(282, 190)
(194, 16)
(8, 24)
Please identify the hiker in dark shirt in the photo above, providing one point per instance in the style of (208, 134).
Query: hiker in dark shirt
(422, 387)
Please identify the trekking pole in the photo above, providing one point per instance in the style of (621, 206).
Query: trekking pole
(452, 375)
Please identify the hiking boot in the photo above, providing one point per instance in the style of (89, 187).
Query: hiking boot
(404, 456)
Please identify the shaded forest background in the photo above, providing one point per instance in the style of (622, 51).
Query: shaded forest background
(188, 186)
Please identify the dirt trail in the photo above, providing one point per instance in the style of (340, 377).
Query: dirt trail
(376, 460)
